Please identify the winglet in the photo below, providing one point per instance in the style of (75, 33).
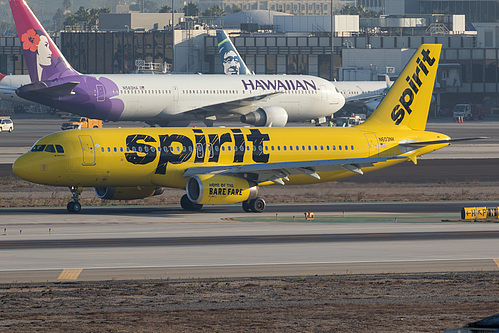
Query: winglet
(43, 58)
(231, 60)
(408, 101)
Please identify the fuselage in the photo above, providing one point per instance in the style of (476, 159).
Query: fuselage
(356, 90)
(185, 97)
(160, 156)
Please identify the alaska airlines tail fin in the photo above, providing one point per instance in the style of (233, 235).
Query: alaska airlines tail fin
(408, 101)
(43, 58)
(231, 60)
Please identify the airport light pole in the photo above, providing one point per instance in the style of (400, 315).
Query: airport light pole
(173, 38)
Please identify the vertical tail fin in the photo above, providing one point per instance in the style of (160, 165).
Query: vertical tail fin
(231, 60)
(408, 101)
(43, 58)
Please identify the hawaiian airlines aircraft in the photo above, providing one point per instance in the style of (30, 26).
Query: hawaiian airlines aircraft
(164, 99)
(228, 165)
(352, 91)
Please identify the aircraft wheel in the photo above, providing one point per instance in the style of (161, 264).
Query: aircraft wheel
(247, 206)
(187, 204)
(74, 207)
(257, 205)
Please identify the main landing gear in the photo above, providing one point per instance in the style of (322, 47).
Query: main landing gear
(74, 205)
(187, 204)
(256, 205)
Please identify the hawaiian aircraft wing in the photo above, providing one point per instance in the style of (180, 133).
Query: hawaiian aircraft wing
(227, 108)
(238, 103)
(276, 172)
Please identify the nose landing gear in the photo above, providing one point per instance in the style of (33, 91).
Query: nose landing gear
(74, 205)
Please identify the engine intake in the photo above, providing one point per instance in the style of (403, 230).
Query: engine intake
(126, 193)
(268, 116)
(217, 189)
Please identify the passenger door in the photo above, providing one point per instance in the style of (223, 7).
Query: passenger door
(88, 150)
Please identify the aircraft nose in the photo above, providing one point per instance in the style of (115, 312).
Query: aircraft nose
(23, 168)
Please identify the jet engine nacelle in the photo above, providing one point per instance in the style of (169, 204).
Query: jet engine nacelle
(268, 116)
(127, 193)
(218, 189)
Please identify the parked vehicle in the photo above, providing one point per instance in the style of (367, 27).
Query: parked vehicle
(81, 122)
(469, 111)
(6, 124)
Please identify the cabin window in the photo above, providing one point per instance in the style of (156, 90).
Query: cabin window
(59, 149)
(140, 149)
(315, 147)
(184, 149)
(133, 149)
(217, 148)
(38, 148)
(302, 147)
(334, 147)
(199, 150)
(309, 148)
(322, 147)
(242, 148)
(284, 147)
(127, 149)
(266, 148)
(279, 148)
(297, 147)
(290, 147)
(260, 148)
(190, 149)
(102, 149)
(115, 150)
(146, 149)
(171, 149)
(50, 149)
(121, 149)
(228, 148)
(346, 147)
(339, 147)
(327, 147)
(272, 148)
(223, 148)
(351, 147)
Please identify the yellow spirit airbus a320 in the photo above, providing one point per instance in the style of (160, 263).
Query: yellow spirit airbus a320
(228, 165)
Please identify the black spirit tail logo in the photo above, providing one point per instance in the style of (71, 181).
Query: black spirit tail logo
(415, 82)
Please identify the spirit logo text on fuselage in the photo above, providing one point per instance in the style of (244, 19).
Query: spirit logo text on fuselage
(178, 148)
(415, 82)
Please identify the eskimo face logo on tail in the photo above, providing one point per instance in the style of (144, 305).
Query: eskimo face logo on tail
(415, 82)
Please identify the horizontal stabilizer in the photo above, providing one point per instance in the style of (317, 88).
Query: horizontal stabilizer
(437, 142)
(61, 90)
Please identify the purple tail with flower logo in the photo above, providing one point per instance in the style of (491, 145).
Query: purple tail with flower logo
(43, 58)
(53, 81)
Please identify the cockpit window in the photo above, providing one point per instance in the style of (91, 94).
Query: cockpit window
(50, 149)
(38, 148)
(59, 149)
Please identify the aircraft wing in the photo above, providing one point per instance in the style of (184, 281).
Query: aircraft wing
(227, 108)
(276, 172)
(8, 90)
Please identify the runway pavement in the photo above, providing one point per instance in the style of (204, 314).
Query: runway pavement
(128, 243)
